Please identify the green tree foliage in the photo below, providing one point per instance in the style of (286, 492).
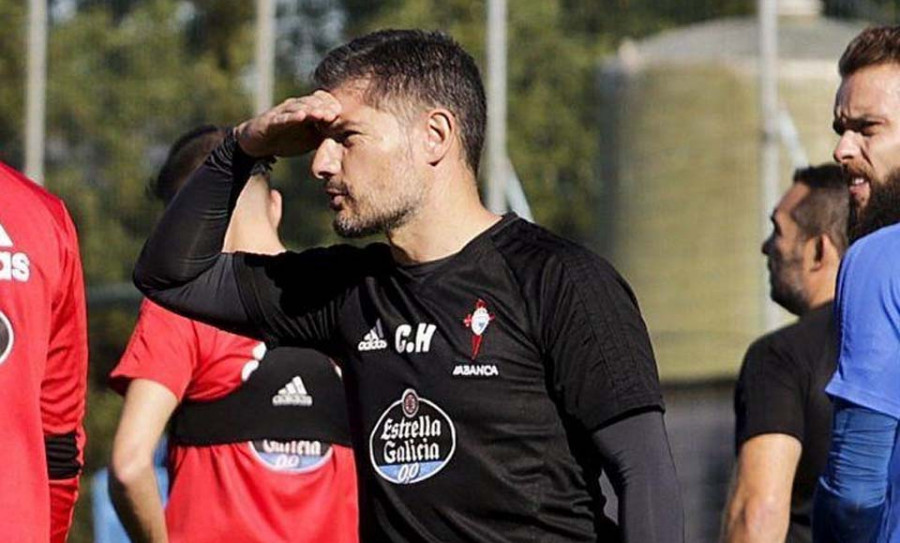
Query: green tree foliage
(133, 91)
(124, 81)
(12, 73)
(611, 20)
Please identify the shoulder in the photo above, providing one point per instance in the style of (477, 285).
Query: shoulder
(158, 322)
(772, 349)
(869, 272)
(763, 344)
(532, 250)
(797, 348)
(779, 340)
(21, 191)
(26, 196)
(879, 250)
(150, 309)
(768, 349)
(38, 224)
(519, 235)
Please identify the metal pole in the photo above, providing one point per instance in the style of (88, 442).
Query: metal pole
(496, 106)
(36, 90)
(769, 158)
(515, 195)
(265, 54)
(787, 133)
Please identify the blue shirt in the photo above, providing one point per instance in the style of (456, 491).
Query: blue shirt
(868, 314)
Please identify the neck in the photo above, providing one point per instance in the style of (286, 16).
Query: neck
(451, 216)
(822, 291)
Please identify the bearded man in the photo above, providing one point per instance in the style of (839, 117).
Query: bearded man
(491, 367)
(858, 497)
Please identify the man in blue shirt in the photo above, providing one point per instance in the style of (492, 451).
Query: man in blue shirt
(857, 497)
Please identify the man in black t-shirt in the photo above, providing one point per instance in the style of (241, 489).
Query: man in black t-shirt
(783, 415)
(492, 368)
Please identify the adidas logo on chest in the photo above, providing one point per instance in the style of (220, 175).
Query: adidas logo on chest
(374, 339)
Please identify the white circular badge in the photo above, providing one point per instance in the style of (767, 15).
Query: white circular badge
(7, 337)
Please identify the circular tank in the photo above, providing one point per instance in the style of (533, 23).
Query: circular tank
(681, 214)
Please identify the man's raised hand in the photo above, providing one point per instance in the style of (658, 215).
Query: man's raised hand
(289, 129)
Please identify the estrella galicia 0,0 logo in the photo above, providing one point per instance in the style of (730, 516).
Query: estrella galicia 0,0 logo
(413, 440)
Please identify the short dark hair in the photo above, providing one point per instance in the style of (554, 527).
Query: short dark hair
(873, 46)
(825, 210)
(419, 68)
(185, 156)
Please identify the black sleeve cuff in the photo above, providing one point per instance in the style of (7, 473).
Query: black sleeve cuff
(62, 456)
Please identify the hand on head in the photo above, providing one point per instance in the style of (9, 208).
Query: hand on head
(289, 129)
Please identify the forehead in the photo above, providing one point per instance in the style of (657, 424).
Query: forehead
(874, 90)
(352, 96)
(356, 99)
(789, 201)
(357, 108)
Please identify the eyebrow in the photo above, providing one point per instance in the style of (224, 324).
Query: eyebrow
(837, 126)
(855, 123)
(338, 127)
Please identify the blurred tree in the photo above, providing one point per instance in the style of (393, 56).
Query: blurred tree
(219, 29)
(136, 88)
(307, 29)
(876, 11)
(127, 78)
(612, 20)
(12, 73)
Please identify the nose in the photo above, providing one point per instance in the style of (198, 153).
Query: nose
(847, 148)
(766, 246)
(327, 160)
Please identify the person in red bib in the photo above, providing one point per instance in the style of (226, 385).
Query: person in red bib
(259, 446)
(43, 363)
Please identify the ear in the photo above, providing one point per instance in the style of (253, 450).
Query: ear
(440, 134)
(824, 253)
(830, 253)
(275, 208)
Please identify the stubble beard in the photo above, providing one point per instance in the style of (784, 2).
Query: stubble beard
(381, 212)
(882, 208)
(786, 287)
(360, 226)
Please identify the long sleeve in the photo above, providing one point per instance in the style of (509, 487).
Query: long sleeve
(63, 389)
(182, 267)
(851, 495)
(635, 454)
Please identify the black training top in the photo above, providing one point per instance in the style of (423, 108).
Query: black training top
(474, 383)
(467, 373)
(781, 389)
